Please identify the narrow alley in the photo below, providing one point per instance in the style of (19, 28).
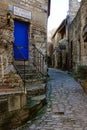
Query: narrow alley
(67, 105)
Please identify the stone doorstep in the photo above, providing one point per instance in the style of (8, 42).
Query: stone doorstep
(36, 92)
(37, 98)
(35, 87)
(33, 101)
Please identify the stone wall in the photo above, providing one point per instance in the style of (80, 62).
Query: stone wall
(74, 42)
(83, 24)
(73, 8)
(37, 35)
(3, 106)
(12, 120)
(78, 50)
(16, 102)
(38, 21)
(8, 76)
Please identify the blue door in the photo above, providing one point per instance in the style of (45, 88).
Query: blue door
(21, 40)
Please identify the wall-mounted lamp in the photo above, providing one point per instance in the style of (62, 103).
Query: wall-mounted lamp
(8, 18)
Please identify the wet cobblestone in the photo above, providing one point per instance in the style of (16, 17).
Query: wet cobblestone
(67, 105)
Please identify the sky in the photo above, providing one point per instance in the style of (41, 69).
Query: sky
(59, 9)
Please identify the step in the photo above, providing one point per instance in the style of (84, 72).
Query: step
(35, 81)
(35, 104)
(26, 71)
(29, 73)
(26, 66)
(29, 76)
(32, 88)
(34, 101)
(36, 90)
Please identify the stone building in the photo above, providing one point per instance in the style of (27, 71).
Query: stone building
(59, 40)
(73, 8)
(78, 37)
(23, 38)
(23, 25)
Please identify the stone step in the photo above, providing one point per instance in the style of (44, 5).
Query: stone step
(26, 66)
(29, 76)
(34, 101)
(35, 81)
(36, 90)
(30, 73)
(28, 69)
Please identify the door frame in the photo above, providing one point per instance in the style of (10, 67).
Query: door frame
(28, 23)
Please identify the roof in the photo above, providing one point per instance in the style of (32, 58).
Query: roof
(63, 23)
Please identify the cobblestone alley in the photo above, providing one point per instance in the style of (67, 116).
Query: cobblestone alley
(67, 105)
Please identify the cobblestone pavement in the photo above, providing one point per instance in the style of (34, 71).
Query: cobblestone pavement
(67, 105)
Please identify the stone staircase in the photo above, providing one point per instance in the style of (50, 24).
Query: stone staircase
(30, 75)
(35, 84)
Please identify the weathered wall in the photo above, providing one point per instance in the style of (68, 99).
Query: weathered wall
(83, 24)
(14, 102)
(74, 42)
(73, 8)
(37, 35)
(8, 74)
(78, 50)
(38, 22)
(55, 41)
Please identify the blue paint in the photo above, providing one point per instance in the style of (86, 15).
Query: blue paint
(21, 41)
